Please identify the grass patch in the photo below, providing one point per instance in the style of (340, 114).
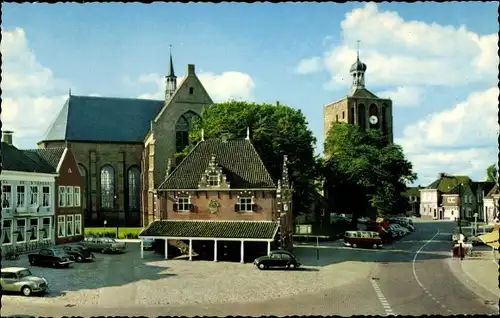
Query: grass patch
(123, 232)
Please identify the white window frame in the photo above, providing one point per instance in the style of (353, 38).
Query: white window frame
(213, 180)
(21, 196)
(21, 229)
(47, 230)
(45, 197)
(7, 196)
(34, 229)
(61, 190)
(78, 224)
(34, 194)
(245, 204)
(5, 231)
(77, 197)
(69, 196)
(70, 225)
(61, 221)
(183, 204)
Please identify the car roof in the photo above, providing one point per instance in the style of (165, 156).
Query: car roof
(13, 269)
(281, 251)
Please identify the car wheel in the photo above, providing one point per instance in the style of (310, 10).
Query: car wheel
(291, 266)
(26, 291)
(104, 251)
(79, 258)
(354, 245)
(54, 264)
(375, 245)
(262, 266)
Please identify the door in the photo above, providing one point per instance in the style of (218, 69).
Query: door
(44, 257)
(275, 260)
(286, 259)
(9, 281)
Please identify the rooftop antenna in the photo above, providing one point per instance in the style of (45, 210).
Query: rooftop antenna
(248, 133)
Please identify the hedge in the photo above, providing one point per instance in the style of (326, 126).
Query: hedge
(123, 232)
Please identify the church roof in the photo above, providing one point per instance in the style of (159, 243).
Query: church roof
(14, 159)
(238, 159)
(361, 92)
(103, 119)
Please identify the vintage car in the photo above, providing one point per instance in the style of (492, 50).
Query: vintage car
(19, 279)
(78, 253)
(104, 244)
(278, 258)
(362, 239)
(50, 257)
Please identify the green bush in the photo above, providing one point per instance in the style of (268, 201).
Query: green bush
(123, 232)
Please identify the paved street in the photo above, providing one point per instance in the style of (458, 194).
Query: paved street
(413, 276)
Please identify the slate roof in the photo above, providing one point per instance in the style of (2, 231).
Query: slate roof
(16, 160)
(361, 92)
(238, 159)
(445, 183)
(103, 119)
(212, 229)
(485, 186)
(413, 191)
(493, 191)
(49, 156)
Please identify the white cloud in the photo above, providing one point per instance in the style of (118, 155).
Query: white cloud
(31, 95)
(308, 66)
(220, 87)
(414, 53)
(460, 139)
(405, 96)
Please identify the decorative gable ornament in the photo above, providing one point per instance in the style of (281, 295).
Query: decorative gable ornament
(214, 206)
(213, 171)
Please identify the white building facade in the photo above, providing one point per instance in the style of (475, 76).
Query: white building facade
(28, 203)
(429, 204)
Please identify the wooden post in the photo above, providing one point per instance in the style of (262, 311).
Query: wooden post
(242, 252)
(190, 249)
(215, 250)
(166, 248)
(268, 247)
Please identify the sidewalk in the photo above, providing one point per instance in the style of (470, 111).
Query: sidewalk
(482, 269)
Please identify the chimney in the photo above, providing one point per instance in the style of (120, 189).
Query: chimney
(7, 136)
(190, 69)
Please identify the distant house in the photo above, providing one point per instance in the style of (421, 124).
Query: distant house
(431, 197)
(481, 190)
(413, 196)
(69, 183)
(222, 200)
(28, 199)
(490, 205)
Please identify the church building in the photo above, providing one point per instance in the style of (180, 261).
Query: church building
(360, 107)
(123, 143)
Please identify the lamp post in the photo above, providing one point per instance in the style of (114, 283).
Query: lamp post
(117, 218)
(460, 210)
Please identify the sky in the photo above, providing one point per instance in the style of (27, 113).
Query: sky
(438, 62)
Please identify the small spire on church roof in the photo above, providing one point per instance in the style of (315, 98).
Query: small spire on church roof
(171, 72)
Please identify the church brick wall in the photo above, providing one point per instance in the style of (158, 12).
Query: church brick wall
(333, 111)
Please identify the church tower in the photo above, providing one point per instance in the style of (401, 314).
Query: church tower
(360, 106)
(171, 80)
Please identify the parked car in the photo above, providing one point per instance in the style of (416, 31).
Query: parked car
(278, 258)
(148, 244)
(362, 239)
(50, 257)
(78, 253)
(397, 232)
(19, 279)
(104, 244)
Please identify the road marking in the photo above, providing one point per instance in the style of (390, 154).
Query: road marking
(415, 272)
(382, 299)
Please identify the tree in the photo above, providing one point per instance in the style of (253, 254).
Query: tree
(365, 170)
(492, 173)
(276, 130)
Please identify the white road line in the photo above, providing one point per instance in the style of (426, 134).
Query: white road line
(415, 272)
(382, 299)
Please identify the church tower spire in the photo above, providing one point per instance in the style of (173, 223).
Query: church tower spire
(357, 71)
(171, 79)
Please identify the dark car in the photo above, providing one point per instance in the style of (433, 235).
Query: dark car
(50, 257)
(78, 252)
(279, 258)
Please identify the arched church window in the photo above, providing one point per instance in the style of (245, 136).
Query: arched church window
(83, 173)
(385, 116)
(107, 187)
(182, 128)
(134, 175)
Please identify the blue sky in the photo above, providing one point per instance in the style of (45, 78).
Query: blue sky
(415, 54)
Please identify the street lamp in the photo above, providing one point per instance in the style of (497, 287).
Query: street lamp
(460, 209)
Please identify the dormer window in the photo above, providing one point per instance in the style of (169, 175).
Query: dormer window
(213, 180)
(191, 90)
